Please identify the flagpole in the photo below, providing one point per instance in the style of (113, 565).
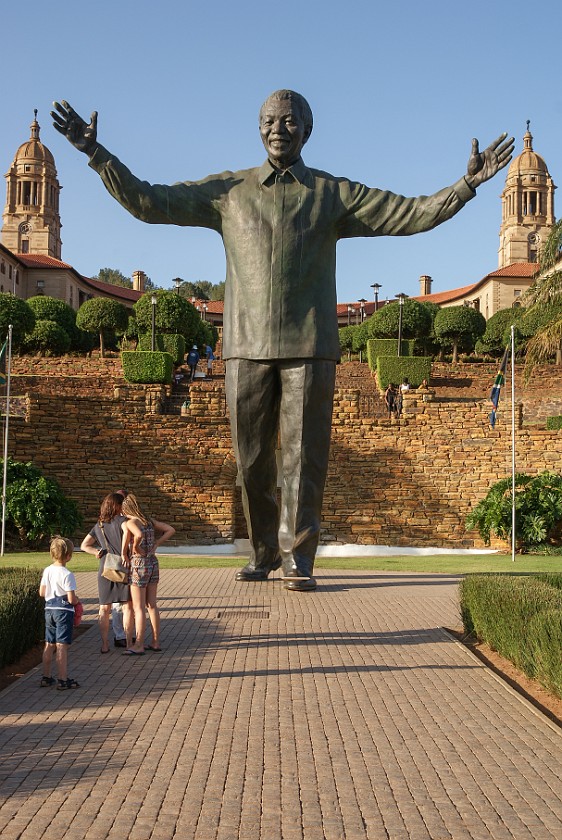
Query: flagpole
(4, 479)
(513, 535)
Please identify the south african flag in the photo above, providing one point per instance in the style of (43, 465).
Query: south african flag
(496, 390)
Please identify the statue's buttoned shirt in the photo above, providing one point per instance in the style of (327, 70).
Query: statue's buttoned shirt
(280, 232)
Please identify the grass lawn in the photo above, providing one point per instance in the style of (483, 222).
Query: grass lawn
(439, 564)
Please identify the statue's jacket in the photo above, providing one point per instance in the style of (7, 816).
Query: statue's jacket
(279, 232)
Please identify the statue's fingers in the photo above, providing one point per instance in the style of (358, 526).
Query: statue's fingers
(475, 147)
(94, 120)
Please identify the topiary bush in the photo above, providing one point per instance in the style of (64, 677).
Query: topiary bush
(521, 618)
(21, 613)
(171, 343)
(145, 367)
(36, 507)
(396, 368)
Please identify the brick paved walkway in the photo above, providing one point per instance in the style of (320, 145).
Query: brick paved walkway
(343, 713)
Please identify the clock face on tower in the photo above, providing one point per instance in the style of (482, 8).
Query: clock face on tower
(534, 238)
(25, 227)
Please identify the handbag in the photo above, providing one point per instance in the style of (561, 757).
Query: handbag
(113, 568)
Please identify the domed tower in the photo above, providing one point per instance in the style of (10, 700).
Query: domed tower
(527, 206)
(31, 220)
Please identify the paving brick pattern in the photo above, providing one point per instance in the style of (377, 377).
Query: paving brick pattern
(343, 713)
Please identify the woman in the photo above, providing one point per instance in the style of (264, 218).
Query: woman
(138, 549)
(106, 535)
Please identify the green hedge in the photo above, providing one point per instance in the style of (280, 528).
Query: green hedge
(396, 368)
(22, 613)
(147, 368)
(387, 347)
(521, 618)
(171, 343)
(554, 423)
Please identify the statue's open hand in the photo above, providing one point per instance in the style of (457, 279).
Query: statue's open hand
(483, 165)
(75, 129)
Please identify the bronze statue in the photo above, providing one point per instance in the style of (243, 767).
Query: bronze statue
(280, 223)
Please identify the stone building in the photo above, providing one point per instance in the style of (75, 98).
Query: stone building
(527, 219)
(31, 245)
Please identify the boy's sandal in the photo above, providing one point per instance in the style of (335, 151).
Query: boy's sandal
(66, 684)
(47, 681)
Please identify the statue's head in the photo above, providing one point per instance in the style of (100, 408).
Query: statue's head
(285, 126)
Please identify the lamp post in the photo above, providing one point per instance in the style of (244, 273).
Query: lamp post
(204, 312)
(349, 311)
(154, 301)
(362, 303)
(178, 282)
(401, 298)
(375, 287)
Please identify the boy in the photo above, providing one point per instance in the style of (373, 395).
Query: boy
(58, 588)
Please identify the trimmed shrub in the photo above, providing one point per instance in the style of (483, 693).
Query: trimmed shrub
(171, 343)
(554, 423)
(21, 613)
(520, 618)
(145, 367)
(387, 347)
(396, 368)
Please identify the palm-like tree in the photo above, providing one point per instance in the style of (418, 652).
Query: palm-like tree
(547, 290)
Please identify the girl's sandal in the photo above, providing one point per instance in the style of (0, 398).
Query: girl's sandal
(47, 681)
(66, 684)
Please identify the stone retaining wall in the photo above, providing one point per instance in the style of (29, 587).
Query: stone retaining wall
(408, 482)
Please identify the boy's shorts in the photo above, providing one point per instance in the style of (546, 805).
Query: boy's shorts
(58, 626)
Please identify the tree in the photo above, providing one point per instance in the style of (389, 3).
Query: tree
(113, 276)
(493, 338)
(217, 292)
(459, 327)
(346, 339)
(103, 316)
(416, 321)
(36, 506)
(547, 289)
(48, 308)
(19, 314)
(47, 338)
(174, 314)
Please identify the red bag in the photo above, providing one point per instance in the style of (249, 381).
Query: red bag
(78, 613)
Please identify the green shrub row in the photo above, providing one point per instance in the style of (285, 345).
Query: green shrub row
(554, 423)
(22, 613)
(171, 343)
(140, 366)
(396, 368)
(520, 618)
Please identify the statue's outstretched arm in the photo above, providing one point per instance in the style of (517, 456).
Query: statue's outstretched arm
(483, 165)
(82, 136)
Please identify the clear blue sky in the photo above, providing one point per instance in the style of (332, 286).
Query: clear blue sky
(397, 89)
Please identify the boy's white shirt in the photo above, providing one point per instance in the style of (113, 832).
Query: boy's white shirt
(57, 580)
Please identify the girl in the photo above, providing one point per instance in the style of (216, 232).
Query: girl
(138, 550)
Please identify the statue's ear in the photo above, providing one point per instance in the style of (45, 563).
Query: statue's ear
(307, 133)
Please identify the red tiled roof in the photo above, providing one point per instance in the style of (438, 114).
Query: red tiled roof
(112, 290)
(41, 261)
(214, 307)
(526, 269)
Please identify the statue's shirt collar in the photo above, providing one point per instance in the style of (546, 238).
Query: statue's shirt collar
(298, 172)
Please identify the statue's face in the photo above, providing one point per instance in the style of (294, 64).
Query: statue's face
(283, 132)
